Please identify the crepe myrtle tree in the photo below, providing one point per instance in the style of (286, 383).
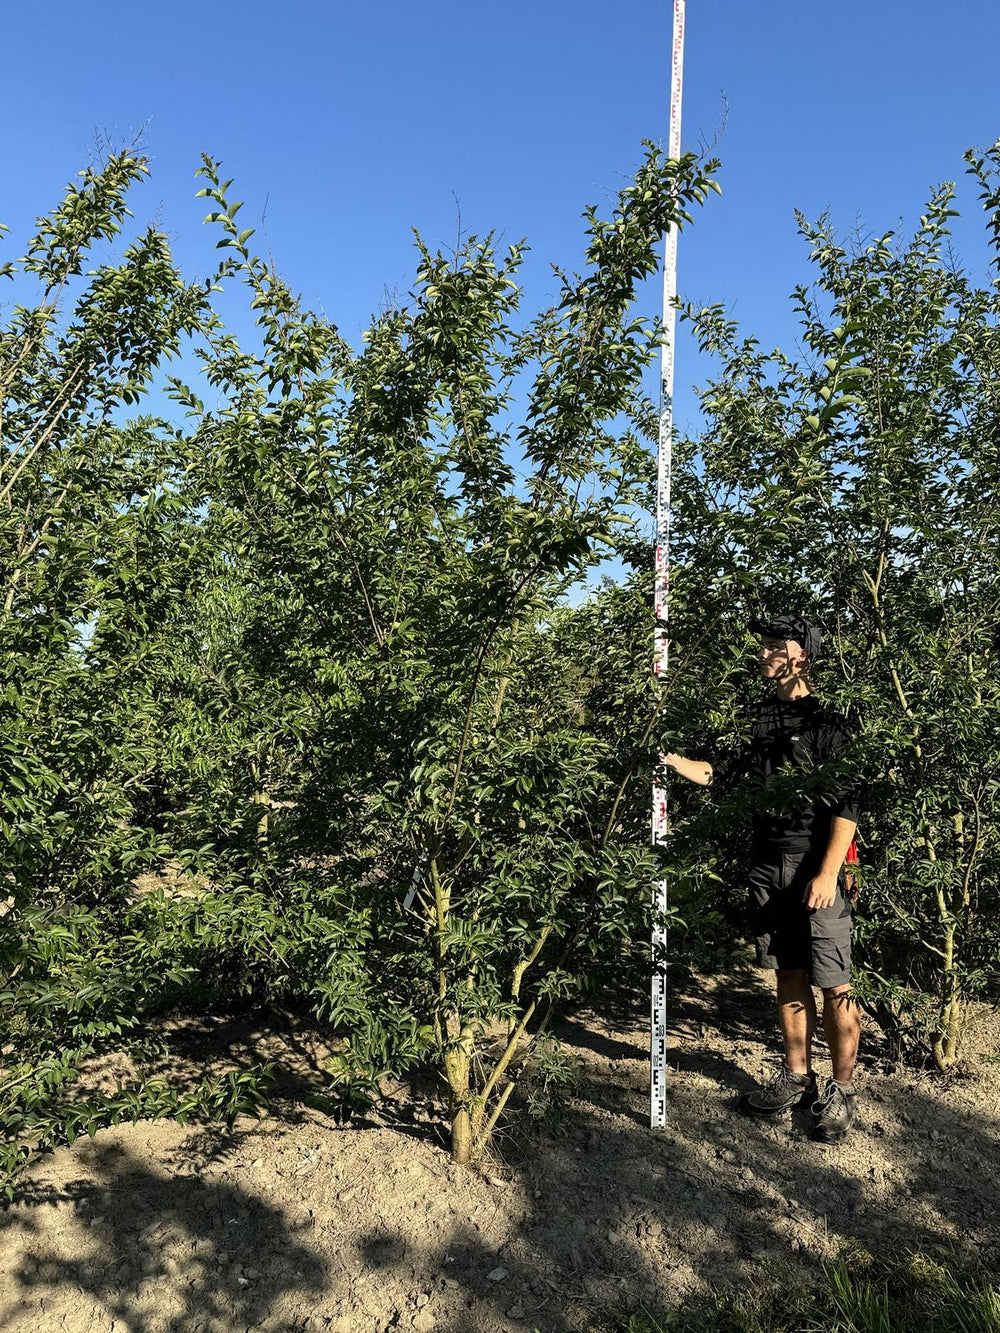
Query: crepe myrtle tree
(408, 519)
(860, 482)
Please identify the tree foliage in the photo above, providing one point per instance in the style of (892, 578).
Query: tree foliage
(315, 645)
(92, 561)
(860, 481)
(301, 647)
(405, 522)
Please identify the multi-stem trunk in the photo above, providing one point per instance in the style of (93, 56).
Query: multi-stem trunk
(457, 1066)
(947, 1042)
(455, 1037)
(948, 1039)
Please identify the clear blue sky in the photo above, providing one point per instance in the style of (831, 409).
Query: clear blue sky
(358, 121)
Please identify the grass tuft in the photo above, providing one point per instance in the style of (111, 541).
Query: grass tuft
(912, 1293)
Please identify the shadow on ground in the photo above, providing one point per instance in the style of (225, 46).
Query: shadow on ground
(369, 1227)
(160, 1251)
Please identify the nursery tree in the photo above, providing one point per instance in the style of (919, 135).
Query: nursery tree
(861, 483)
(93, 560)
(405, 522)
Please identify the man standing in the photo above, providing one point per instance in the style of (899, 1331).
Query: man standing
(803, 826)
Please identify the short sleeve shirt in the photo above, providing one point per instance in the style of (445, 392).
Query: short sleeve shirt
(800, 775)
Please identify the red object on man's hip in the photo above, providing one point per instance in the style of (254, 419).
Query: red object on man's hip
(851, 886)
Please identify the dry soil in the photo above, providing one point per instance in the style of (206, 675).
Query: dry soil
(293, 1222)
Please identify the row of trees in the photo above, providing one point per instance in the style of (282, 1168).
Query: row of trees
(291, 631)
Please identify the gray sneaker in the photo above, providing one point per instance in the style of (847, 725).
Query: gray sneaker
(780, 1093)
(834, 1113)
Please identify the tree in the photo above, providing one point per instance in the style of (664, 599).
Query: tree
(92, 560)
(406, 522)
(860, 482)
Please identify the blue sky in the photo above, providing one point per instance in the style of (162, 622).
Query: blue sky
(356, 122)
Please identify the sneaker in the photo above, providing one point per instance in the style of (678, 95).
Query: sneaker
(834, 1113)
(780, 1093)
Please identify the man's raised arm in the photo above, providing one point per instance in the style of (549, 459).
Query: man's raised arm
(695, 770)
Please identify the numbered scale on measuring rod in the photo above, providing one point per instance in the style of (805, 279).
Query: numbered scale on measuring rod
(658, 998)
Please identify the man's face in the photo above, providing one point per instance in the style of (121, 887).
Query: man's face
(781, 659)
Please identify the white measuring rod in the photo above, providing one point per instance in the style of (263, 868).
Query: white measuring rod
(658, 1005)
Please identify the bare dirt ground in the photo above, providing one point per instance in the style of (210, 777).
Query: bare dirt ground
(292, 1222)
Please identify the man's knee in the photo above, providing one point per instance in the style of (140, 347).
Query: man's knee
(840, 999)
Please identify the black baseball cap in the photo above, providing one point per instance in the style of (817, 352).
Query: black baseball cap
(802, 631)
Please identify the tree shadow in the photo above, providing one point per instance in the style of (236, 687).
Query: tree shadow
(297, 1054)
(652, 1220)
(165, 1254)
(656, 1223)
(285, 1040)
(604, 1217)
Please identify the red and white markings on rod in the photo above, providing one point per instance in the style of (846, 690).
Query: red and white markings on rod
(658, 997)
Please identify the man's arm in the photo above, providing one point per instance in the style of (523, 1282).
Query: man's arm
(695, 770)
(821, 891)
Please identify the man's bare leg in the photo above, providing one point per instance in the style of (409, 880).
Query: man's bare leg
(795, 1082)
(842, 1026)
(797, 1015)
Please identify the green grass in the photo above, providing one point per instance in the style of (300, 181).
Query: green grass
(858, 1294)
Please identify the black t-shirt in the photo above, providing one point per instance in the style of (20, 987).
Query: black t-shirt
(799, 774)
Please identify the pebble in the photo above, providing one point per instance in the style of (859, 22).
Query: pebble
(497, 1275)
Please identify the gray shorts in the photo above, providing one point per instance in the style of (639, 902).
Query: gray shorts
(788, 934)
